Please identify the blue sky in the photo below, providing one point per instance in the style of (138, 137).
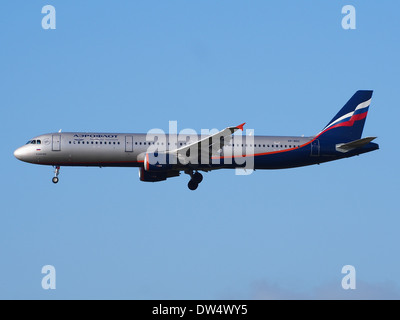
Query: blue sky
(284, 67)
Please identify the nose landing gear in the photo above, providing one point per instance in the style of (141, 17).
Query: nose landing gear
(56, 173)
(196, 179)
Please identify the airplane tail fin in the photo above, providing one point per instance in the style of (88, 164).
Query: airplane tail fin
(348, 124)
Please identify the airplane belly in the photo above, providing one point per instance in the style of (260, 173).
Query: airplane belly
(283, 160)
(103, 158)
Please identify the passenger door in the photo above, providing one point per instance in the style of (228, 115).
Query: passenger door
(128, 143)
(56, 146)
(315, 148)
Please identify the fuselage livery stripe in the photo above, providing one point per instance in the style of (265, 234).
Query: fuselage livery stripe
(347, 123)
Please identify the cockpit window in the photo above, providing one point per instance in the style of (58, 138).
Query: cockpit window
(34, 142)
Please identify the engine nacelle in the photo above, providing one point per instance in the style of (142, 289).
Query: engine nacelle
(155, 162)
(149, 176)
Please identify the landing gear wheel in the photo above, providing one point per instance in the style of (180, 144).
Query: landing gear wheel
(56, 173)
(197, 177)
(192, 185)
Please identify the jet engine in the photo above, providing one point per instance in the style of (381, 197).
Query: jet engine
(156, 162)
(150, 176)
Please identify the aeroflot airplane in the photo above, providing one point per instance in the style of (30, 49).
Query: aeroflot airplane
(161, 157)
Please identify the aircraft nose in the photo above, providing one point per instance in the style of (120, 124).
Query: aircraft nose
(20, 153)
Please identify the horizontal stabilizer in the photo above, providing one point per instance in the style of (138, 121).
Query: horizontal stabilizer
(346, 147)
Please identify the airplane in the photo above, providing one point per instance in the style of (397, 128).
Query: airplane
(161, 157)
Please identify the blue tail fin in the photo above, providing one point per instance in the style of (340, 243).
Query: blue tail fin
(348, 124)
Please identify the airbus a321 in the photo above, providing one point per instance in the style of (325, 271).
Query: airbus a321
(161, 157)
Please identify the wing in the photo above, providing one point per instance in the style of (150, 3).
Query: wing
(207, 147)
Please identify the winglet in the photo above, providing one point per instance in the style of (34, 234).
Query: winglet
(240, 126)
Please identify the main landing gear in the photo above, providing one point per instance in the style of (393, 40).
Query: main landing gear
(196, 178)
(56, 173)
